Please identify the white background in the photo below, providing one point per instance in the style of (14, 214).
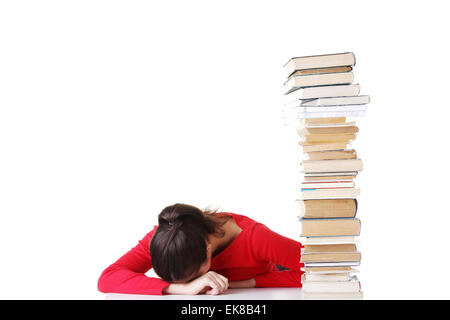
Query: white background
(112, 110)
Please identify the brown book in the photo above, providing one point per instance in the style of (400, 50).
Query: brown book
(327, 130)
(327, 138)
(328, 269)
(312, 121)
(340, 247)
(330, 257)
(330, 227)
(331, 155)
(328, 208)
(325, 125)
(309, 146)
(331, 165)
(321, 70)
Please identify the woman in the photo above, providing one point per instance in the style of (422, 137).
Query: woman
(195, 251)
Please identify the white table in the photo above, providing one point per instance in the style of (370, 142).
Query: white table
(230, 294)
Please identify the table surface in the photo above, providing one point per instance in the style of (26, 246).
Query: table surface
(230, 294)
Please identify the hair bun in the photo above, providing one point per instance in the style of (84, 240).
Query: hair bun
(177, 214)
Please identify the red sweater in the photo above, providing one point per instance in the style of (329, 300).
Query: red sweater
(252, 254)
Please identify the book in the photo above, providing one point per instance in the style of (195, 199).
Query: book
(327, 102)
(324, 121)
(335, 101)
(342, 276)
(328, 208)
(321, 70)
(330, 227)
(319, 61)
(332, 165)
(309, 146)
(352, 285)
(331, 155)
(291, 117)
(332, 296)
(330, 174)
(329, 193)
(330, 257)
(328, 270)
(332, 264)
(325, 178)
(343, 137)
(314, 80)
(323, 125)
(327, 184)
(327, 109)
(329, 240)
(321, 248)
(323, 92)
(327, 130)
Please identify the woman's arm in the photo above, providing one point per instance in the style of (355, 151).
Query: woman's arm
(273, 247)
(250, 283)
(209, 283)
(127, 275)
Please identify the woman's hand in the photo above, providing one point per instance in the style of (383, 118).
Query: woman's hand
(209, 283)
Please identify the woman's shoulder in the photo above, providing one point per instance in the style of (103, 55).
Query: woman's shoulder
(243, 221)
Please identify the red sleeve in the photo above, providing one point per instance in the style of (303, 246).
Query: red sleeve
(127, 275)
(273, 247)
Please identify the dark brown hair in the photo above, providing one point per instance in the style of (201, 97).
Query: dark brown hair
(178, 246)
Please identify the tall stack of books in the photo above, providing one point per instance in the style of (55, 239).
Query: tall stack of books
(320, 101)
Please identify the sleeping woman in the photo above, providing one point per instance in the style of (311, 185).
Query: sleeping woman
(197, 251)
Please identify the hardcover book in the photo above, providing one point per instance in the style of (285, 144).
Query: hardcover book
(328, 208)
(319, 61)
(330, 227)
(314, 80)
(323, 92)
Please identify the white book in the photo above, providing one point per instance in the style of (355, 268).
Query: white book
(343, 108)
(327, 184)
(325, 125)
(327, 277)
(335, 101)
(352, 285)
(308, 182)
(333, 296)
(338, 165)
(329, 240)
(346, 90)
(344, 193)
(332, 264)
(311, 271)
(330, 174)
(327, 102)
(288, 120)
(302, 123)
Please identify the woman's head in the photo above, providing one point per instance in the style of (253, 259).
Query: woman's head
(180, 249)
